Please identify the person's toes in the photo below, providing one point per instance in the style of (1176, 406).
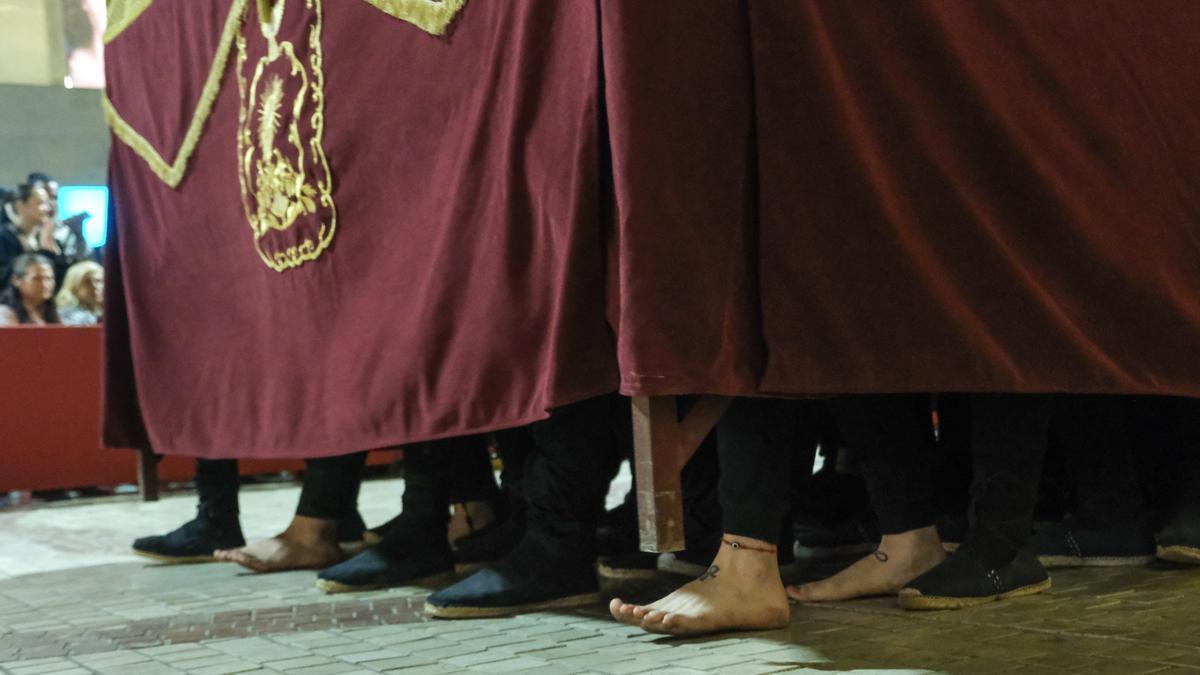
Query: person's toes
(673, 623)
(614, 608)
(234, 555)
(622, 611)
(654, 616)
(640, 612)
(650, 622)
(659, 622)
(813, 592)
(629, 613)
(248, 561)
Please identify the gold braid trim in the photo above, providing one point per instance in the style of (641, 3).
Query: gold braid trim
(432, 17)
(121, 13)
(172, 174)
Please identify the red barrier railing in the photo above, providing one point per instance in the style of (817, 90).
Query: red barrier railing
(50, 412)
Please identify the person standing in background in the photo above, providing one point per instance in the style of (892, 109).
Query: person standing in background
(31, 229)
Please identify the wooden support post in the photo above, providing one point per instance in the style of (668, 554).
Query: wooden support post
(147, 470)
(663, 443)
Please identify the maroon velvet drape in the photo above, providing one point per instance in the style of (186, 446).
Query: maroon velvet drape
(823, 196)
(459, 292)
(807, 196)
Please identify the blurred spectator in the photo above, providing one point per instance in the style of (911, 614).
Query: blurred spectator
(31, 229)
(80, 301)
(28, 297)
(68, 232)
(83, 32)
(6, 198)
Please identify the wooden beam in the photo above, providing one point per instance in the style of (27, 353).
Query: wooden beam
(147, 470)
(662, 444)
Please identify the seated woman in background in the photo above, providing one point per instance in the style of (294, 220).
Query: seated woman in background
(80, 301)
(29, 296)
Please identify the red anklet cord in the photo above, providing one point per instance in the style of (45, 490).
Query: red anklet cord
(740, 546)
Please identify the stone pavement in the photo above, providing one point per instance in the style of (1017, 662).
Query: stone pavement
(72, 601)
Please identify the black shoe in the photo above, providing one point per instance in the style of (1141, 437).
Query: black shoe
(385, 566)
(962, 580)
(1069, 544)
(487, 545)
(195, 540)
(532, 578)
(847, 539)
(631, 565)
(1179, 542)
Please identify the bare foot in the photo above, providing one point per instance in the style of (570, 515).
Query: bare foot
(740, 591)
(307, 544)
(899, 559)
(467, 518)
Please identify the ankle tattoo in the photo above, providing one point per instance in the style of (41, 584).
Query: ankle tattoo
(710, 573)
(881, 556)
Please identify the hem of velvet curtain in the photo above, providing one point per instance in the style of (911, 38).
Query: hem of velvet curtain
(382, 442)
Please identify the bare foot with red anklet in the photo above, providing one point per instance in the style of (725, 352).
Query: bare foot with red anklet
(307, 544)
(740, 591)
(899, 559)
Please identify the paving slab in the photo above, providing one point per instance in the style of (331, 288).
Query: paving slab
(73, 605)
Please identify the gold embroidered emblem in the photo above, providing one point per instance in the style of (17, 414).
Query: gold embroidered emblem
(287, 187)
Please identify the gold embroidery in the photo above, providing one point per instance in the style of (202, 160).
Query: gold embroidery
(290, 210)
(121, 13)
(172, 173)
(431, 16)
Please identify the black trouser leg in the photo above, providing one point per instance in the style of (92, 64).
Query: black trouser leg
(331, 484)
(217, 486)
(1181, 419)
(1092, 434)
(892, 436)
(756, 441)
(1008, 443)
(1166, 433)
(566, 480)
(515, 446)
(950, 465)
(701, 503)
(426, 501)
(813, 423)
(467, 467)
(837, 493)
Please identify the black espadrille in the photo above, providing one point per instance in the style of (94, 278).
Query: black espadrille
(963, 580)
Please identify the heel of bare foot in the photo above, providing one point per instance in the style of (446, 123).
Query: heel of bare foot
(307, 543)
(899, 559)
(741, 590)
(467, 518)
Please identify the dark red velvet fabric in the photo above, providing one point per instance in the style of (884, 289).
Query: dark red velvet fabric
(461, 291)
(987, 195)
(811, 197)
(822, 196)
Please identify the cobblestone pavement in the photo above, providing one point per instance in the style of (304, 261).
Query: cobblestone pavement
(100, 611)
